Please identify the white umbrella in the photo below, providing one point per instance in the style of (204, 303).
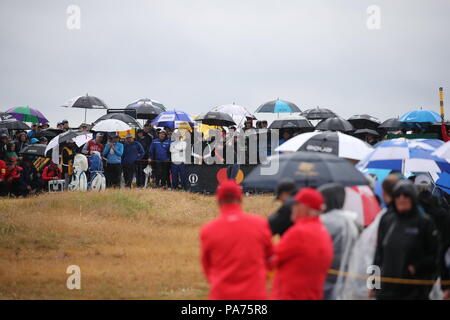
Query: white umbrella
(443, 151)
(111, 125)
(340, 144)
(82, 139)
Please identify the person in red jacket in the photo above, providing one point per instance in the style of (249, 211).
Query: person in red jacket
(235, 249)
(3, 189)
(51, 172)
(13, 179)
(305, 252)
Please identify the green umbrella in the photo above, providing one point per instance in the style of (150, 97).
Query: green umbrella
(27, 114)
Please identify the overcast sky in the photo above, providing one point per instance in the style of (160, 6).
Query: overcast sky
(194, 55)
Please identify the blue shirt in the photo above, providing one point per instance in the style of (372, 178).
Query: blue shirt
(116, 156)
(160, 150)
(132, 152)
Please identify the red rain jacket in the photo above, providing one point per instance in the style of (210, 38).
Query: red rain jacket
(302, 258)
(12, 174)
(50, 173)
(235, 252)
(2, 169)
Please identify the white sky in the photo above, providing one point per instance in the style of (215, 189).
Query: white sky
(196, 54)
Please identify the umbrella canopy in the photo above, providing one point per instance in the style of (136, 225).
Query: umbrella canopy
(129, 120)
(318, 114)
(49, 133)
(35, 149)
(361, 199)
(307, 169)
(391, 124)
(111, 125)
(366, 131)
(27, 114)
(234, 110)
(443, 182)
(85, 102)
(443, 151)
(215, 118)
(278, 106)
(364, 121)
(61, 138)
(406, 156)
(291, 122)
(335, 124)
(337, 143)
(173, 119)
(5, 116)
(14, 124)
(146, 108)
(420, 116)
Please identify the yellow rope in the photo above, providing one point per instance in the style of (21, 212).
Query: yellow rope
(387, 279)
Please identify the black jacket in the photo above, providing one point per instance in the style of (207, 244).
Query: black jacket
(406, 239)
(440, 213)
(280, 221)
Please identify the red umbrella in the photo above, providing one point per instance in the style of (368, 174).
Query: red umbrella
(362, 200)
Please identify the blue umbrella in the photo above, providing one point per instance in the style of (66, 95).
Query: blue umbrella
(172, 119)
(406, 156)
(443, 182)
(278, 106)
(421, 116)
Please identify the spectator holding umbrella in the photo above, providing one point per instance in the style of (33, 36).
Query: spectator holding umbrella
(305, 252)
(65, 125)
(113, 152)
(235, 249)
(132, 153)
(33, 132)
(160, 154)
(407, 247)
(281, 221)
(4, 139)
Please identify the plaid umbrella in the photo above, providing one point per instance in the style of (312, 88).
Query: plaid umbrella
(27, 114)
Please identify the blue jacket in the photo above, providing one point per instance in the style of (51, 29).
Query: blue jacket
(160, 150)
(132, 152)
(116, 156)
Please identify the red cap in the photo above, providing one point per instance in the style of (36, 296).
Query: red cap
(310, 198)
(228, 190)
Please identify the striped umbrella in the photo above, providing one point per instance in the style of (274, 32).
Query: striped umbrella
(406, 156)
(27, 114)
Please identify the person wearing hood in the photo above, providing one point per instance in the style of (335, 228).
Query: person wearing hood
(343, 229)
(235, 249)
(280, 221)
(407, 247)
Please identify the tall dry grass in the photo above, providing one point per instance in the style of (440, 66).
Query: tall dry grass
(129, 244)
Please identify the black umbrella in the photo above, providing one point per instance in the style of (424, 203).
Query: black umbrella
(366, 131)
(35, 149)
(291, 123)
(5, 116)
(215, 118)
(318, 114)
(335, 124)
(307, 169)
(13, 124)
(86, 102)
(147, 108)
(49, 133)
(122, 117)
(364, 121)
(391, 124)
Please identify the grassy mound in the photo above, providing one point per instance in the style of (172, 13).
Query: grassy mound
(129, 244)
